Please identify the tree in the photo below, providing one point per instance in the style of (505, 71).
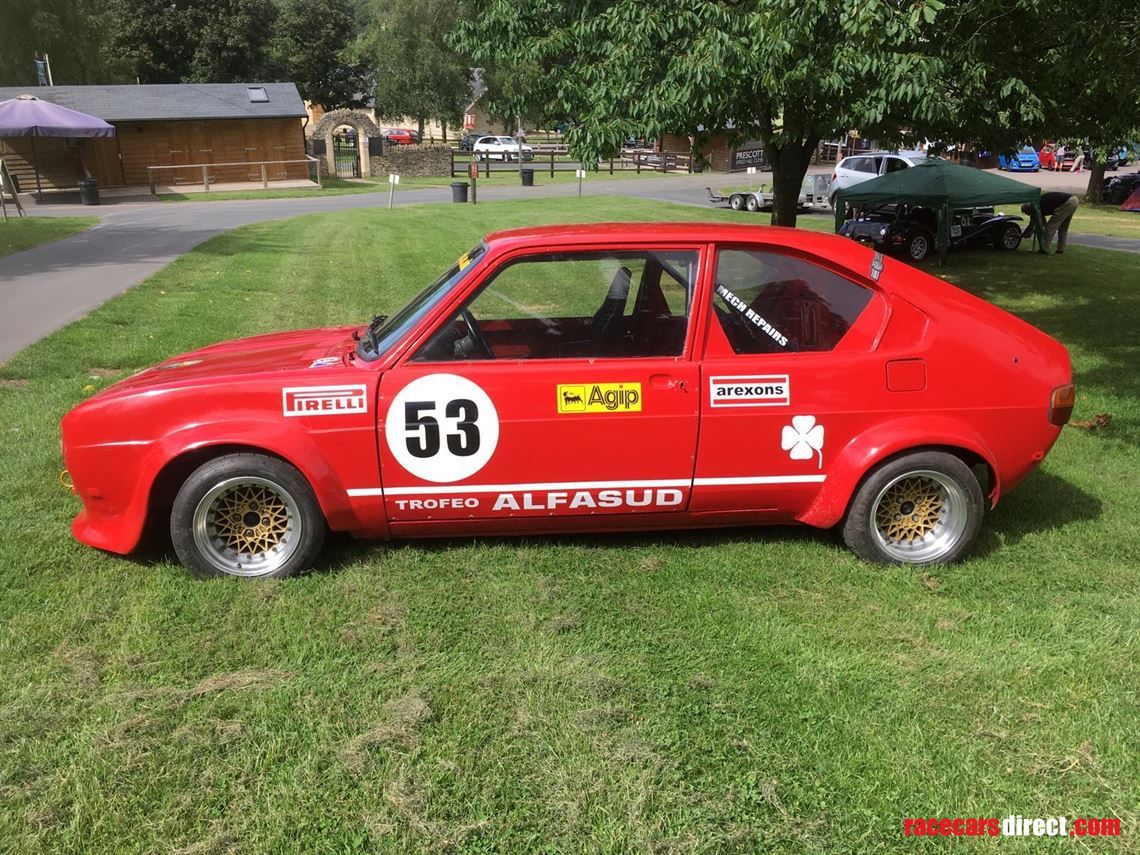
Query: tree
(788, 72)
(72, 32)
(311, 45)
(417, 73)
(189, 41)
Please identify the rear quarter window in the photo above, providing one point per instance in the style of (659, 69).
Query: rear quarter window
(768, 302)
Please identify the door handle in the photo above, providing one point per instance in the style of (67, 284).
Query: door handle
(666, 381)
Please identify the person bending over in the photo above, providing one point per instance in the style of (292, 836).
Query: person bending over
(1058, 208)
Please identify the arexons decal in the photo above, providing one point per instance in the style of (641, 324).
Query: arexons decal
(324, 400)
(442, 428)
(755, 390)
(599, 398)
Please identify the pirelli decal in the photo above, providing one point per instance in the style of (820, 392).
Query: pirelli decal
(599, 398)
(756, 390)
(324, 400)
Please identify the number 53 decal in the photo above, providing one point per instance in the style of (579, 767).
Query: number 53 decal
(442, 428)
(425, 443)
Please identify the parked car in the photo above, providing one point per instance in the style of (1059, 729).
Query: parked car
(500, 148)
(1025, 160)
(1118, 188)
(467, 141)
(1111, 163)
(589, 378)
(401, 136)
(909, 230)
(857, 168)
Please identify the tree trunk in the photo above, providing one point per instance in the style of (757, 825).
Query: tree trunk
(1095, 192)
(443, 128)
(420, 129)
(789, 166)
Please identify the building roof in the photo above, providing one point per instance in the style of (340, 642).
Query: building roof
(171, 101)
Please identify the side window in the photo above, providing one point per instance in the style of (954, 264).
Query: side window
(574, 305)
(766, 302)
(860, 164)
(894, 164)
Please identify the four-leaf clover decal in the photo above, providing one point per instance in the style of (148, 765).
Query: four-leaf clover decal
(802, 437)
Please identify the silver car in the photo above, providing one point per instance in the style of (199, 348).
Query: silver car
(857, 168)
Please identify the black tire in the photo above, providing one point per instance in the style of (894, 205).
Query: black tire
(940, 525)
(204, 521)
(752, 204)
(918, 246)
(736, 202)
(1007, 237)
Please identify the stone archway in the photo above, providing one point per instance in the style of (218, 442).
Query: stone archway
(366, 129)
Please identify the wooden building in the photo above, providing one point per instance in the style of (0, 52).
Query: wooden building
(225, 132)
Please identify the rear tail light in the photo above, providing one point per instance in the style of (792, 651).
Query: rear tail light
(1061, 404)
(833, 174)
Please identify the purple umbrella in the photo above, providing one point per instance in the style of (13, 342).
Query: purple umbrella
(28, 116)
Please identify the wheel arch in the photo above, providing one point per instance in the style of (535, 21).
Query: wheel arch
(872, 449)
(180, 453)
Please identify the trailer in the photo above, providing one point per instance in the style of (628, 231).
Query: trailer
(813, 196)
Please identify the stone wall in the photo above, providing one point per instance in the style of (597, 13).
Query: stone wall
(424, 161)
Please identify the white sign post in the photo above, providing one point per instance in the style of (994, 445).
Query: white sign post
(751, 172)
(393, 180)
(581, 173)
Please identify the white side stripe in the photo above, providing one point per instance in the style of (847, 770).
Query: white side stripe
(589, 485)
(759, 479)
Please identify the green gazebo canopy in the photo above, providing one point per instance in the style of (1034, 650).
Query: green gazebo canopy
(943, 187)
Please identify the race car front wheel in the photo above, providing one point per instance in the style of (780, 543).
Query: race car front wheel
(247, 515)
(1008, 237)
(920, 508)
(919, 242)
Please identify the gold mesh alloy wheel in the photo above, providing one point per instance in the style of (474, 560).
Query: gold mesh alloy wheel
(247, 526)
(919, 516)
(909, 510)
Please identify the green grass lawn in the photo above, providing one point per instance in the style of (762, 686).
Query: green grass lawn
(745, 690)
(18, 234)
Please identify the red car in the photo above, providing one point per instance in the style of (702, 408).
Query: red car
(590, 378)
(401, 136)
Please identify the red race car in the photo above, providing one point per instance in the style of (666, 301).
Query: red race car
(590, 378)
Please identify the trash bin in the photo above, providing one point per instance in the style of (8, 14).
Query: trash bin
(458, 191)
(528, 178)
(89, 191)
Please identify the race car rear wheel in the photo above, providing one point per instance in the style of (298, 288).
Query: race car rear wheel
(736, 201)
(921, 508)
(1007, 237)
(247, 515)
(919, 242)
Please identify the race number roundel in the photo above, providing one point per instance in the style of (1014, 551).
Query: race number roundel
(442, 428)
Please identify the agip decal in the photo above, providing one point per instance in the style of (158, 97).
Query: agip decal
(599, 398)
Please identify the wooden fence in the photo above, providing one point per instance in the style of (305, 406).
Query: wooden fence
(554, 159)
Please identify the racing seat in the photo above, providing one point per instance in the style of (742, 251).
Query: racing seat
(608, 324)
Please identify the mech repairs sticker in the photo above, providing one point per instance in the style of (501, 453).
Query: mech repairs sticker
(324, 400)
(763, 390)
(599, 398)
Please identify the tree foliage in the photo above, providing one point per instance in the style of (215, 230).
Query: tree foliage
(311, 47)
(72, 32)
(788, 72)
(417, 73)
